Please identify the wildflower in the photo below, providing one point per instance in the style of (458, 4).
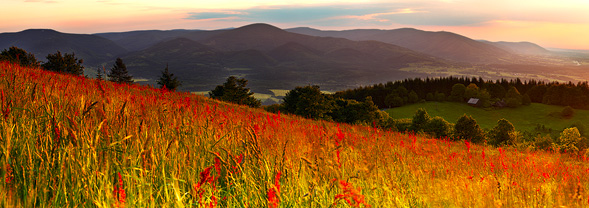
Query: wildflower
(273, 193)
(352, 196)
(119, 192)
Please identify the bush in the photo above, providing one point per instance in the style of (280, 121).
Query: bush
(567, 112)
(569, 139)
(466, 128)
(502, 134)
(438, 127)
(420, 119)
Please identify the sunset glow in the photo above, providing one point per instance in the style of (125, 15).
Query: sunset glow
(551, 24)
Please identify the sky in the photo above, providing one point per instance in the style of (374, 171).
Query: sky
(549, 23)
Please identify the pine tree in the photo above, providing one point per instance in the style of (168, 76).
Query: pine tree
(99, 74)
(119, 74)
(168, 81)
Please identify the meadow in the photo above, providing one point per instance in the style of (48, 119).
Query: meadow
(70, 141)
(523, 118)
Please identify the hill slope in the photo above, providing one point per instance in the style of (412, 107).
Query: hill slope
(93, 49)
(440, 44)
(94, 142)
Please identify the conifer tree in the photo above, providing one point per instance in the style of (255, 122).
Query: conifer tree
(168, 80)
(119, 74)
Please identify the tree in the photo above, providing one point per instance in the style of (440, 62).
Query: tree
(168, 81)
(234, 90)
(68, 63)
(308, 102)
(526, 99)
(420, 119)
(440, 97)
(466, 128)
(352, 111)
(19, 56)
(457, 93)
(429, 96)
(394, 100)
(119, 74)
(100, 74)
(569, 139)
(412, 97)
(503, 133)
(437, 127)
(513, 98)
(471, 91)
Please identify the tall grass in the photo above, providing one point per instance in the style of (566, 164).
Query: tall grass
(69, 141)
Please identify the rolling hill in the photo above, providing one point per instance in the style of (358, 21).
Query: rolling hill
(445, 45)
(94, 50)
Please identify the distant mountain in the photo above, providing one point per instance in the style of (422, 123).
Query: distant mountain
(523, 48)
(271, 57)
(445, 45)
(139, 40)
(94, 50)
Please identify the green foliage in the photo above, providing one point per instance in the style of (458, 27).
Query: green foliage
(308, 102)
(168, 80)
(402, 124)
(567, 112)
(438, 127)
(68, 63)
(513, 98)
(466, 128)
(457, 93)
(412, 97)
(526, 99)
(351, 111)
(394, 100)
(274, 108)
(569, 139)
(119, 74)
(440, 97)
(471, 91)
(234, 90)
(502, 134)
(430, 97)
(19, 56)
(484, 98)
(420, 119)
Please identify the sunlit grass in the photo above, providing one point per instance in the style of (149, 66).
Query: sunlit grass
(69, 141)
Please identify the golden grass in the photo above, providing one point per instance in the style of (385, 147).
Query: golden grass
(69, 141)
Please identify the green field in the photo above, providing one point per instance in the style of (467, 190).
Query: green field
(524, 118)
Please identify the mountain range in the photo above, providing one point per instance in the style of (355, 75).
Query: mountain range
(273, 58)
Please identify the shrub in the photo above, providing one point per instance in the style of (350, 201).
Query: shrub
(437, 127)
(503, 133)
(420, 119)
(567, 112)
(466, 128)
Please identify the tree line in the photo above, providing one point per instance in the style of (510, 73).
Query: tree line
(68, 63)
(512, 93)
(504, 133)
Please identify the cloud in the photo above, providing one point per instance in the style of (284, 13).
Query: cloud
(340, 15)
